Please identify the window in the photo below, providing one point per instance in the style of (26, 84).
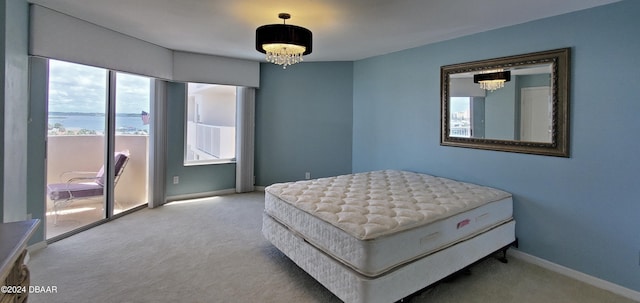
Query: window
(460, 123)
(210, 124)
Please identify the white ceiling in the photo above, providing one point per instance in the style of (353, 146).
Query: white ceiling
(343, 30)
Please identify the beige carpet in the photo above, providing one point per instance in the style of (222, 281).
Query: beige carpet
(212, 250)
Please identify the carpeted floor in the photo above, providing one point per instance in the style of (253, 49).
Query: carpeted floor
(212, 250)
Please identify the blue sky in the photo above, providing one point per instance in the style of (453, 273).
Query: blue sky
(81, 88)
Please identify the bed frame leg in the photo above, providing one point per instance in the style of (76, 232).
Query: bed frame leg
(503, 258)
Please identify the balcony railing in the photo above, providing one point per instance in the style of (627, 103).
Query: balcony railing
(210, 141)
(86, 153)
(464, 131)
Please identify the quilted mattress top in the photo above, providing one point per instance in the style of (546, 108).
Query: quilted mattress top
(374, 204)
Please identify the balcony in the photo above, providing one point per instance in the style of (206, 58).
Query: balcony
(86, 153)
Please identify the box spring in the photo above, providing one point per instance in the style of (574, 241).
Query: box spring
(394, 285)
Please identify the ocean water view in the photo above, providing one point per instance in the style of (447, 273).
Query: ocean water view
(61, 123)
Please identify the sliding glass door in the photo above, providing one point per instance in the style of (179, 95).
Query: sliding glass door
(132, 117)
(77, 99)
(92, 113)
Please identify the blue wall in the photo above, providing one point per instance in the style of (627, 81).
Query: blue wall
(500, 112)
(14, 108)
(194, 180)
(303, 121)
(582, 212)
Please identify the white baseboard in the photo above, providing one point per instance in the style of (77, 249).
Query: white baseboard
(580, 276)
(201, 195)
(259, 188)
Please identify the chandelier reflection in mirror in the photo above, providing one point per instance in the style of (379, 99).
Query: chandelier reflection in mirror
(283, 44)
(492, 79)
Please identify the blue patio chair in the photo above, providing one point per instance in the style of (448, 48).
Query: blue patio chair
(63, 194)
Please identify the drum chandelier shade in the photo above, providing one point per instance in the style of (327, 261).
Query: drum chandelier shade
(283, 44)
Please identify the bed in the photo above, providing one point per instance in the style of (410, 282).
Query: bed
(381, 236)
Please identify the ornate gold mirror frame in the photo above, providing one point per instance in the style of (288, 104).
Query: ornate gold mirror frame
(493, 117)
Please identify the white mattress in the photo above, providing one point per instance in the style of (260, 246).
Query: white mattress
(377, 221)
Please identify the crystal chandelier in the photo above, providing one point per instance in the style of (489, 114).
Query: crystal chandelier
(283, 44)
(492, 79)
(284, 54)
(491, 85)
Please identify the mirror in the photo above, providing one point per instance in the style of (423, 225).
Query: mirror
(516, 104)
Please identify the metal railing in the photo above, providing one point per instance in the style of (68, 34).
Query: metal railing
(464, 131)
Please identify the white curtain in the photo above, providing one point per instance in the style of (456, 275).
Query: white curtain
(245, 133)
(158, 144)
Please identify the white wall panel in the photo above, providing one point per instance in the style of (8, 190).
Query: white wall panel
(59, 36)
(63, 37)
(192, 67)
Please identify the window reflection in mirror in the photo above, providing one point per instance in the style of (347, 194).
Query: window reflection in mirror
(461, 117)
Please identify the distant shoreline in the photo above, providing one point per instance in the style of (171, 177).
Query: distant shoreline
(74, 123)
(54, 114)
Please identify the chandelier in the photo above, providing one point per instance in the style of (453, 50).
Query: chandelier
(283, 44)
(492, 79)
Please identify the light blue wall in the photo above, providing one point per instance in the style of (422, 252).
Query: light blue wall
(14, 92)
(581, 212)
(194, 180)
(303, 121)
(500, 112)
